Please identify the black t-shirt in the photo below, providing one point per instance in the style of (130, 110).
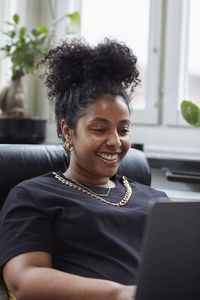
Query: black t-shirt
(84, 235)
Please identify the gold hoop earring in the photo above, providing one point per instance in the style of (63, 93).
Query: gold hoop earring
(68, 147)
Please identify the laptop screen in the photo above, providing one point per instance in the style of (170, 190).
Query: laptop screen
(170, 266)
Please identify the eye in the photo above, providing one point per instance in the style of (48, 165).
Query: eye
(124, 131)
(99, 130)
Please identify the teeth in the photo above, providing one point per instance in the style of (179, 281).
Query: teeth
(108, 156)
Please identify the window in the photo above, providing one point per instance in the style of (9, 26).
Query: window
(192, 91)
(166, 41)
(130, 22)
(182, 71)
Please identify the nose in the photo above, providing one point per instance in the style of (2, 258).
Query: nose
(113, 140)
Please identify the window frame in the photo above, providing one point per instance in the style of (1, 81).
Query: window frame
(150, 114)
(175, 60)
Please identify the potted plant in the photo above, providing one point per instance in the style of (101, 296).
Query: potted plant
(191, 112)
(24, 47)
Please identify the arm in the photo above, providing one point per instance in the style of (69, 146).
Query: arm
(30, 276)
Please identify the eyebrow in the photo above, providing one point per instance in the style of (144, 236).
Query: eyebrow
(107, 121)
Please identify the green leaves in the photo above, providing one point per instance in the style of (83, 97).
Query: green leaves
(16, 18)
(73, 26)
(191, 113)
(74, 23)
(22, 32)
(42, 29)
(24, 47)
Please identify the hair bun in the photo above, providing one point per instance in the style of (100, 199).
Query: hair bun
(75, 63)
(114, 61)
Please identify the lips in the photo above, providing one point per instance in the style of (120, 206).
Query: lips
(109, 157)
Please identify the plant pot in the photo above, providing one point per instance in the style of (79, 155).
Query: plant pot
(22, 130)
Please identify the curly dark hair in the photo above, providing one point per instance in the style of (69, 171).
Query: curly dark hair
(77, 74)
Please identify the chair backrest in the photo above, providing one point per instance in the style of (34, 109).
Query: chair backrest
(21, 162)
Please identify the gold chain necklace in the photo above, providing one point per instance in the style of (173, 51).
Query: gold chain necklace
(121, 203)
(84, 187)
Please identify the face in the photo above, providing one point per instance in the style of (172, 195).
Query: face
(101, 141)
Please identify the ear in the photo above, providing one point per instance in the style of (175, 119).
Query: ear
(67, 132)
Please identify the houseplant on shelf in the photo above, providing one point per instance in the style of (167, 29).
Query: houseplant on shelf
(191, 112)
(24, 47)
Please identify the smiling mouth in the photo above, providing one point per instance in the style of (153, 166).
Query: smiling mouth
(110, 157)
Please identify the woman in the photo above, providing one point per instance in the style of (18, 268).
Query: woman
(78, 235)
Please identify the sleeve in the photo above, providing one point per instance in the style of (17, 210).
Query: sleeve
(24, 227)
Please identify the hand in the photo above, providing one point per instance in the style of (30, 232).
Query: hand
(126, 292)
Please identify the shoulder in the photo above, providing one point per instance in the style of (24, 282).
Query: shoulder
(44, 183)
(46, 178)
(30, 191)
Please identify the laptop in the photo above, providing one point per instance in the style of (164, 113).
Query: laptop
(170, 265)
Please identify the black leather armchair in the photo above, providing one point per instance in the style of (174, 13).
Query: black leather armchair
(21, 162)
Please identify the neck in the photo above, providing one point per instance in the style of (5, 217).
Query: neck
(100, 181)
